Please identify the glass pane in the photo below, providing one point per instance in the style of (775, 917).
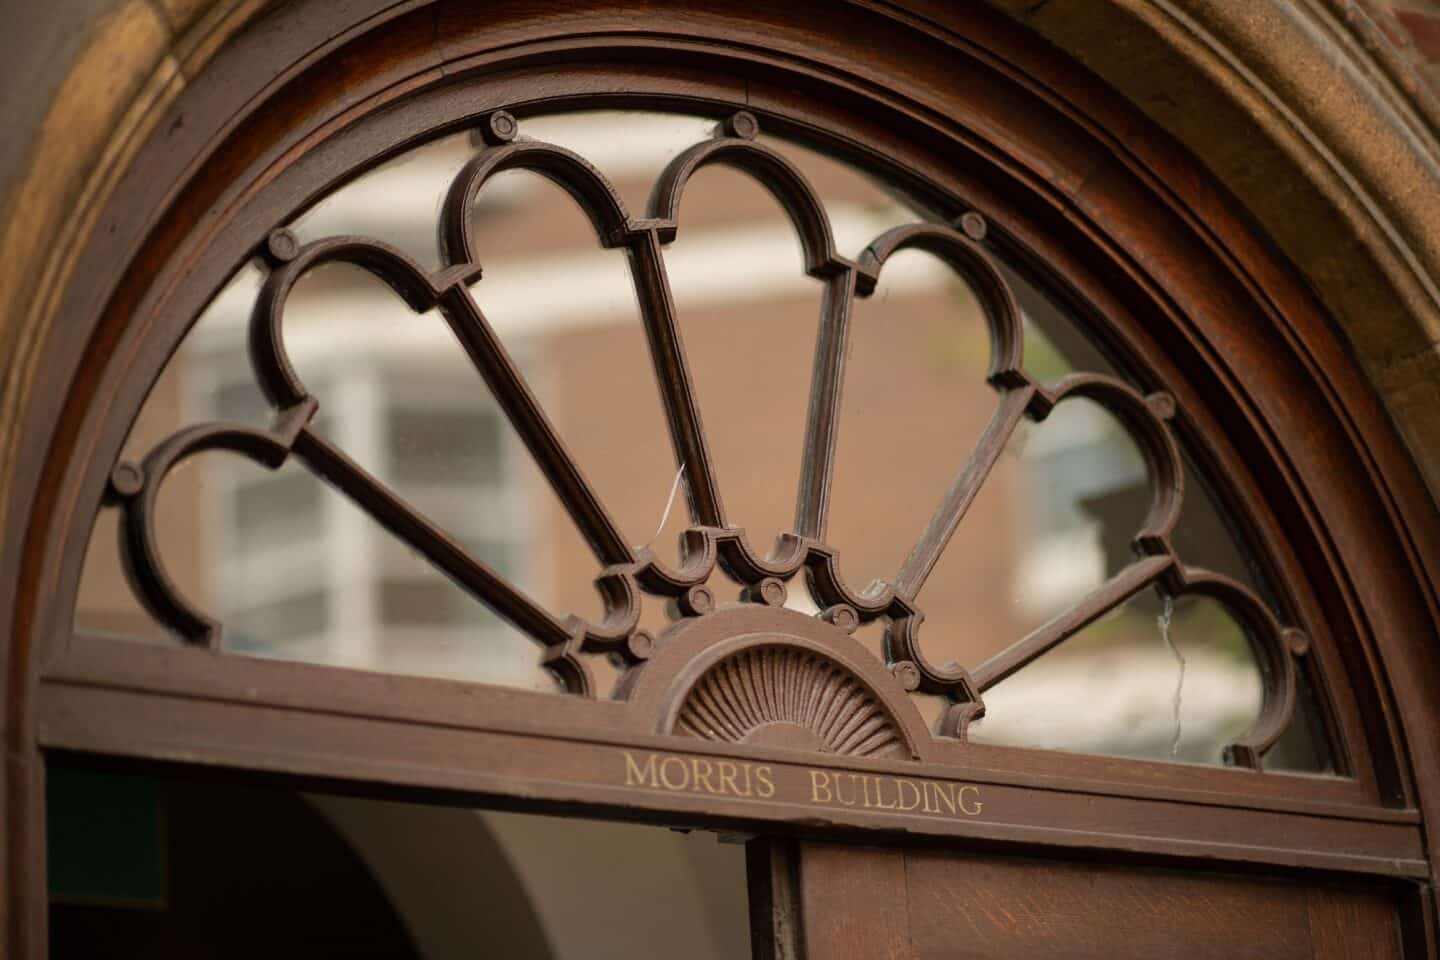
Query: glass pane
(1303, 748)
(396, 201)
(1053, 522)
(144, 866)
(925, 321)
(305, 615)
(444, 446)
(1131, 686)
(276, 509)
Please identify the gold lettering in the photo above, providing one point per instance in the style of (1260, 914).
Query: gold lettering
(819, 780)
(879, 797)
(739, 779)
(974, 810)
(696, 763)
(665, 775)
(728, 772)
(638, 775)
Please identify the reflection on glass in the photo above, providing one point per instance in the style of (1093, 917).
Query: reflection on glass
(1134, 684)
(297, 571)
(144, 866)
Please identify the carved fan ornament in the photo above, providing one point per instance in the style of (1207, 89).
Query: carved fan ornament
(789, 697)
(767, 694)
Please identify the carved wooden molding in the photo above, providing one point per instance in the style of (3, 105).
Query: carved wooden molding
(780, 696)
(768, 676)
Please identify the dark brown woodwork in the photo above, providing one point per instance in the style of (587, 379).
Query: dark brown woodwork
(854, 903)
(786, 696)
(772, 867)
(145, 702)
(1041, 167)
(913, 905)
(979, 907)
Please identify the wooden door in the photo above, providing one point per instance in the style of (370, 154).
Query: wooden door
(904, 903)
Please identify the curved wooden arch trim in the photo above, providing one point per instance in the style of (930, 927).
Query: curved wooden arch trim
(1080, 203)
(1238, 84)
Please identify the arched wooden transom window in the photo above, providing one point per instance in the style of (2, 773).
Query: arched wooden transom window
(424, 448)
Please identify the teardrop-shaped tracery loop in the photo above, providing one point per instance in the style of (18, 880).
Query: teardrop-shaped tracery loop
(1018, 395)
(1275, 648)
(773, 172)
(137, 487)
(1151, 542)
(742, 695)
(812, 225)
(967, 259)
(417, 287)
(568, 170)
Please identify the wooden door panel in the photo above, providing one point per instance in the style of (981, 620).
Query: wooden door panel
(862, 902)
(1352, 923)
(980, 907)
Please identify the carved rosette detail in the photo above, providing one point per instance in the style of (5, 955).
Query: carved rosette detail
(789, 697)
